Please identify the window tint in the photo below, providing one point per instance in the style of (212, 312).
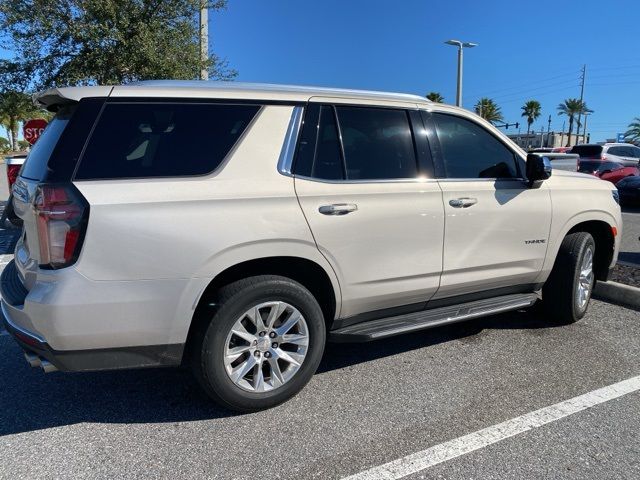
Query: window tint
(588, 167)
(620, 151)
(587, 150)
(35, 167)
(377, 142)
(611, 166)
(328, 159)
(469, 151)
(162, 139)
(635, 152)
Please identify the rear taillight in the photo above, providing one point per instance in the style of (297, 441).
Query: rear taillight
(62, 215)
(603, 157)
(12, 174)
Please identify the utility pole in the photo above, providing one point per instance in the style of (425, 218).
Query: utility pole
(582, 77)
(204, 39)
(548, 130)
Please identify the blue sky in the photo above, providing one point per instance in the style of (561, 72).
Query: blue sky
(527, 50)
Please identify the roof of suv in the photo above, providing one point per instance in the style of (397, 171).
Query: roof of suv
(208, 89)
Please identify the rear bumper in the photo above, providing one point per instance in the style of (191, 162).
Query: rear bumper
(93, 359)
(35, 323)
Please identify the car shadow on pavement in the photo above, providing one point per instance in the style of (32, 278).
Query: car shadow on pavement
(31, 400)
(340, 355)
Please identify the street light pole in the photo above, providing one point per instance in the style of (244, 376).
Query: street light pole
(204, 39)
(460, 46)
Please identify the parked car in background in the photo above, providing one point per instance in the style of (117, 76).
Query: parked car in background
(14, 164)
(629, 190)
(560, 149)
(610, 171)
(624, 153)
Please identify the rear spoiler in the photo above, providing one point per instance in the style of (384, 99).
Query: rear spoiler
(54, 98)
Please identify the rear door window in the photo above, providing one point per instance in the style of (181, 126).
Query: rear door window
(142, 140)
(377, 143)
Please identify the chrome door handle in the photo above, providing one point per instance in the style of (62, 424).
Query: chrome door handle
(462, 202)
(338, 209)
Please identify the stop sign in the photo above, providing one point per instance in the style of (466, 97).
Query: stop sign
(32, 129)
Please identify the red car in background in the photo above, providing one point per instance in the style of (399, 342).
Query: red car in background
(611, 171)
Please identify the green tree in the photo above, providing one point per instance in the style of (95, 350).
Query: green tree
(16, 107)
(633, 134)
(435, 97)
(79, 42)
(531, 111)
(572, 107)
(4, 145)
(489, 110)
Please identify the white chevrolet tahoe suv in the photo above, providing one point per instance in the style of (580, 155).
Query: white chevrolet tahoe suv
(236, 228)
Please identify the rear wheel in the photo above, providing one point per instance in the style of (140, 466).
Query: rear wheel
(262, 345)
(566, 294)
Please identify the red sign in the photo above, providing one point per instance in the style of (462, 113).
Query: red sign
(32, 129)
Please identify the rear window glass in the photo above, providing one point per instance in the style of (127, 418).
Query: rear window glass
(587, 150)
(589, 167)
(35, 166)
(134, 140)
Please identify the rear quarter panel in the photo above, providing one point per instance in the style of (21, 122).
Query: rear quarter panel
(194, 228)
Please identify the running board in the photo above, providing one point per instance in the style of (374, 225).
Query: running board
(390, 326)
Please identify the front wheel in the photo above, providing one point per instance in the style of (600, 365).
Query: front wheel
(263, 344)
(566, 294)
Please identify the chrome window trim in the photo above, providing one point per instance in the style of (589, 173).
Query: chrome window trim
(367, 181)
(285, 161)
(495, 179)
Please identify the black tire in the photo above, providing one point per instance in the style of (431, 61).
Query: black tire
(559, 293)
(233, 300)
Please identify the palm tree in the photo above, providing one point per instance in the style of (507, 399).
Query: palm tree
(489, 110)
(633, 134)
(573, 107)
(16, 107)
(531, 110)
(435, 97)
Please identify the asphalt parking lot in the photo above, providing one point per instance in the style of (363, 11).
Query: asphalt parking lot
(369, 404)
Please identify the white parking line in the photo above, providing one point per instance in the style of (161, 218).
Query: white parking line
(443, 452)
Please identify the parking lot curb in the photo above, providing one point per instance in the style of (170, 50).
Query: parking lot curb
(618, 293)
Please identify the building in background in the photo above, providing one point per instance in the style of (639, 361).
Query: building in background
(547, 139)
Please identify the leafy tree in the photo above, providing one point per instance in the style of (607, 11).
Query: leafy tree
(76, 42)
(489, 110)
(633, 134)
(572, 107)
(16, 107)
(531, 111)
(4, 145)
(435, 97)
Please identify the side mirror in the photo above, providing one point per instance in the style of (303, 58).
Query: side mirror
(538, 168)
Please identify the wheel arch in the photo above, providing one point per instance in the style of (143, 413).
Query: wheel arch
(304, 271)
(599, 224)
(602, 234)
